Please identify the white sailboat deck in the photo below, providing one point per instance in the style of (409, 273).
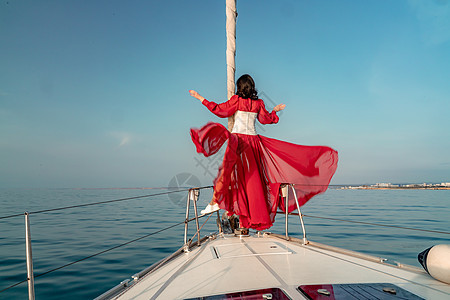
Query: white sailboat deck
(228, 264)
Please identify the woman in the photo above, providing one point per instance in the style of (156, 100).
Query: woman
(254, 166)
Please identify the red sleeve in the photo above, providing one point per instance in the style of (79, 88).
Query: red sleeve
(264, 117)
(223, 110)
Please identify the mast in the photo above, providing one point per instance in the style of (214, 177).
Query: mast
(231, 52)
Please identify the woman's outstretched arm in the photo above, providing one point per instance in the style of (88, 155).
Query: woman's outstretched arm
(264, 117)
(222, 110)
(196, 95)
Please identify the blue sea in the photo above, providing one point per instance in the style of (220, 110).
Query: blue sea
(64, 236)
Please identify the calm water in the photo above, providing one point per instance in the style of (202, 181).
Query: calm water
(64, 236)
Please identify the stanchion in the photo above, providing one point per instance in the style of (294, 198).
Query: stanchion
(193, 195)
(30, 275)
(305, 241)
(285, 194)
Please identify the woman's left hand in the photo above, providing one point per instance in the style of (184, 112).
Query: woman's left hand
(279, 107)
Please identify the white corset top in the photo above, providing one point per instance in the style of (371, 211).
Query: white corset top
(244, 122)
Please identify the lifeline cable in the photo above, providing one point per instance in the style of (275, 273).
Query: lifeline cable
(93, 255)
(150, 234)
(97, 203)
(375, 224)
(11, 216)
(137, 197)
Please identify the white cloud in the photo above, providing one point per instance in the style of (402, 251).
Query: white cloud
(123, 138)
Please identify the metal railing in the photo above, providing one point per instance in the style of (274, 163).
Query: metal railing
(285, 193)
(192, 198)
(30, 274)
(29, 257)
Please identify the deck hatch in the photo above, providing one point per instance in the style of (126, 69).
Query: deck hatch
(271, 293)
(356, 291)
(241, 250)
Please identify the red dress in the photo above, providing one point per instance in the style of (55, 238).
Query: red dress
(254, 166)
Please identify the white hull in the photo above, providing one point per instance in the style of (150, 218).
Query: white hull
(225, 264)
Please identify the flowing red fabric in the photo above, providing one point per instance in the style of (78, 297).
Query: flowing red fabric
(254, 167)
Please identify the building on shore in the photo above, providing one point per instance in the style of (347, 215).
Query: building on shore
(385, 185)
(388, 185)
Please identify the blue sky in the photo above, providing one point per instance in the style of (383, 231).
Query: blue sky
(94, 93)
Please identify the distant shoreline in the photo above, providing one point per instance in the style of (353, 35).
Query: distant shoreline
(393, 188)
(405, 186)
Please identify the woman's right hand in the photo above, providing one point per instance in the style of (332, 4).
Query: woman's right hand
(196, 95)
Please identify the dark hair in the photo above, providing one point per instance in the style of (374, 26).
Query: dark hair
(245, 87)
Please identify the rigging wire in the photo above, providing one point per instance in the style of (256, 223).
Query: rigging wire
(11, 216)
(144, 196)
(103, 202)
(377, 224)
(95, 254)
(118, 200)
(104, 251)
(97, 203)
(169, 227)
(14, 285)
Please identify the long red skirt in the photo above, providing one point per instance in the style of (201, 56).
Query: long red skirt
(254, 167)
